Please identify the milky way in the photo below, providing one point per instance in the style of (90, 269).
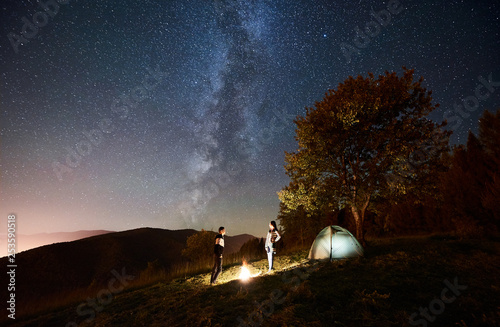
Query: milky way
(176, 114)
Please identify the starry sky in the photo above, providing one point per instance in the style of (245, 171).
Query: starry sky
(176, 114)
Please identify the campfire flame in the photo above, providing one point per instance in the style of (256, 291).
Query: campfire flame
(245, 273)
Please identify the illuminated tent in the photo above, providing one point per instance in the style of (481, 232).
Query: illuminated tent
(335, 242)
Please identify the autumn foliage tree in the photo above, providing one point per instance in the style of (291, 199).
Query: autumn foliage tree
(200, 246)
(300, 228)
(359, 134)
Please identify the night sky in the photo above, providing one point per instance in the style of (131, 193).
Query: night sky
(176, 114)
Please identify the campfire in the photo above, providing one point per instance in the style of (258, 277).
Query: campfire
(245, 274)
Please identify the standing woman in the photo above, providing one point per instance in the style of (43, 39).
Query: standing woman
(272, 237)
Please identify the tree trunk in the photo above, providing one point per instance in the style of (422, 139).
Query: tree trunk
(301, 237)
(359, 219)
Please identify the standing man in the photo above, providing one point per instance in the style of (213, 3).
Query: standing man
(218, 250)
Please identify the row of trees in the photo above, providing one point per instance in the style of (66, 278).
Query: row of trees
(369, 158)
(471, 186)
(466, 194)
(200, 248)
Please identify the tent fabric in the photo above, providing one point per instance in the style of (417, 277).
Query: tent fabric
(335, 242)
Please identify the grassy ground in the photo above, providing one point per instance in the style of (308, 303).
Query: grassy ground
(440, 281)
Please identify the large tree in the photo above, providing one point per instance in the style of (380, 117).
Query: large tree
(200, 246)
(349, 143)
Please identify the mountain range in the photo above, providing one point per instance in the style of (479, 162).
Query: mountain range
(54, 269)
(27, 242)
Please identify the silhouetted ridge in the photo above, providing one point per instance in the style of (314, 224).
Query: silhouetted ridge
(67, 266)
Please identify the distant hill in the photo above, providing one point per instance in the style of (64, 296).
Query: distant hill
(233, 243)
(67, 266)
(27, 242)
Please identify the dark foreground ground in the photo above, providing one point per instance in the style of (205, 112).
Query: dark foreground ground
(419, 281)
